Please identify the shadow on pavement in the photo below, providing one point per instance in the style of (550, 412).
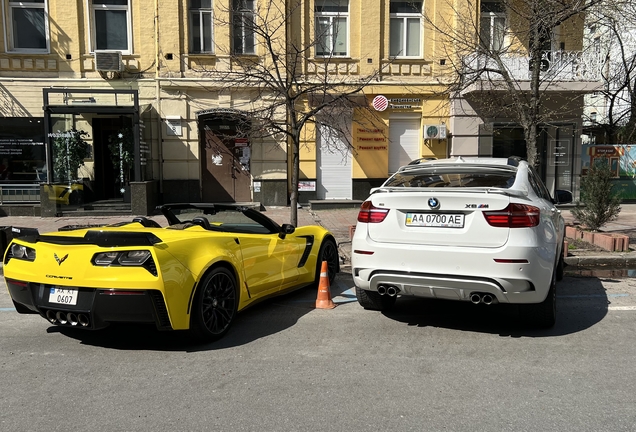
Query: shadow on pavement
(581, 303)
(264, 319)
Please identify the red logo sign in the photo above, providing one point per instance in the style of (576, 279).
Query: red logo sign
(380, 103)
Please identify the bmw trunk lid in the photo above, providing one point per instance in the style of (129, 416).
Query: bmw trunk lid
(436, 217)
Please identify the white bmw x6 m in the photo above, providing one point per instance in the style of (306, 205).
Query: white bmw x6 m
(482, 230)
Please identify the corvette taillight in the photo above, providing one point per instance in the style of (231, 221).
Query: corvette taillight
(514, 216)
(371, 214)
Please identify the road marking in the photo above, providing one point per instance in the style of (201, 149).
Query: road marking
(622, 308)
(592, 295)
(7, 309)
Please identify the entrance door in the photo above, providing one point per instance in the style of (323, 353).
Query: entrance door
(106, 184)
(404, 145)
(225, 162)
(334, 166)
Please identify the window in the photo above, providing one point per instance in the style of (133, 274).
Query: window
(28, 27)
(492, 26)
(110, 25)
(201, 30)
(243, 26)
(405, 29)
(332, 23)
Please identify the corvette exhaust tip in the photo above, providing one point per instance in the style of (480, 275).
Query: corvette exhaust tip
(50, 315)
(61, 317)
(83, 320)
(72, 319)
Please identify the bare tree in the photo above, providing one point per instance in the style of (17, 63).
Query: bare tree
(291, 73)
(612, 33)
(502, 49)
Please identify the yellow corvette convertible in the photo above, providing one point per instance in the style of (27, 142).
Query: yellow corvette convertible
(210, 262)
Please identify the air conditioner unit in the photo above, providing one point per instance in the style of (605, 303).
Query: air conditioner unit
(108, 61)
(435, 131)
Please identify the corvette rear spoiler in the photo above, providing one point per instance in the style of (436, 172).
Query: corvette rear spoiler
(99, 238)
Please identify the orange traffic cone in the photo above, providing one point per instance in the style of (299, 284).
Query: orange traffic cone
(324, 293)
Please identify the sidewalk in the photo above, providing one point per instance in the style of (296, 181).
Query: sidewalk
(339, 221)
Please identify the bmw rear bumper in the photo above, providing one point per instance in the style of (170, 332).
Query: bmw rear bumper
(95, 308)
(455, 273)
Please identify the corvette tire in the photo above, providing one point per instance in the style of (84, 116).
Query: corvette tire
(373, 301)
(215, 305)
(328, 252)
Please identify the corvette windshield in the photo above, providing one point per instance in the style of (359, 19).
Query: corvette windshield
(220, 219)
(497, 179)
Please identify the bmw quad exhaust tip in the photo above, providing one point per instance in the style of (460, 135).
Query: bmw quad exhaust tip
(390, 290)
(484, 298)
(487, 299)
(475, 298)
(72, 319)
(61, 317)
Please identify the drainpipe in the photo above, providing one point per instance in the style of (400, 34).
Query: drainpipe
(158, 98)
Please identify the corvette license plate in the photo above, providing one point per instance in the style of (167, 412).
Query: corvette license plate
(61, 295)
(442, 220)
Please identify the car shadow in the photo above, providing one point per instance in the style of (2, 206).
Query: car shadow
(261, 320)
(581, 303)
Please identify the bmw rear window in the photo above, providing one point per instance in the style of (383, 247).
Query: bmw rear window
(498, 179)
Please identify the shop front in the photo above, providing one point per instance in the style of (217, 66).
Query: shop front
(95, 152)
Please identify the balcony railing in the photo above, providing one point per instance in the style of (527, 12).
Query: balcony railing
(564, 66)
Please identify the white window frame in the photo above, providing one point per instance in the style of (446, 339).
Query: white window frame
(493, 16)
(243, 12)
(331, 16)
(91, 7)
(405, 17)
(9, 43)
(201, 12)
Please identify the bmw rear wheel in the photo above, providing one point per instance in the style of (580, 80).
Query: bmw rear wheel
(542, 315)
(328, 252)
(561, 265)
(215, 305)
(373, 301)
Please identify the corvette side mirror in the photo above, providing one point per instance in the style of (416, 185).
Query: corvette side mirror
(286, 229)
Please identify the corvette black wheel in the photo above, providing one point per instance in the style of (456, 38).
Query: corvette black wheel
(328, 252)
(215, 305)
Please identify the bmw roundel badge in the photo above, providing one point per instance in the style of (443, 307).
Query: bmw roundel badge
(433, 203)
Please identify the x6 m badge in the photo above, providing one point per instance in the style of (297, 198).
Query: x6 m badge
(433, 203)
(60, 260)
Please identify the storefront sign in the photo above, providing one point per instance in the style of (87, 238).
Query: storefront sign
(559, 151)
(306, 186)
(370, 139)
(404, 103)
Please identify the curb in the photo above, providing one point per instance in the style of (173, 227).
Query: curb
(618, 260)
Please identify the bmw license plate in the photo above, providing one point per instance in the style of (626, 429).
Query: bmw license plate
(60, 295)
(443, 220)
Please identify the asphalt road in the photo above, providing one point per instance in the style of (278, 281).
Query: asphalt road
(285, 366)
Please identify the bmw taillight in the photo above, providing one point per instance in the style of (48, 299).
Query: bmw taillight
(371, 214)
(514, 216)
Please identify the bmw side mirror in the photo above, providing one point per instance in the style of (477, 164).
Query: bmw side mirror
(286, 229)
(563, 197)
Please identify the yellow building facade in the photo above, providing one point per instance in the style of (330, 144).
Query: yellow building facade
(154, 75)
